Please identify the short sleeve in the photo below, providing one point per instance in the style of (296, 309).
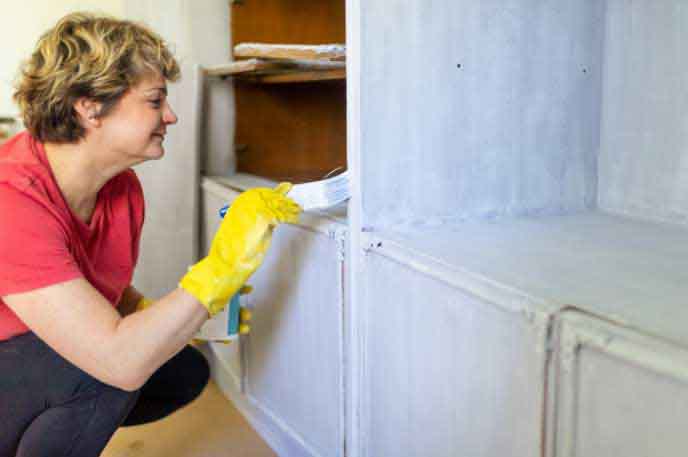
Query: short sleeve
(34, 246)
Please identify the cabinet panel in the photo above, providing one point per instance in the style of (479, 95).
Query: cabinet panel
(288, 21)
(211, 202)
(294, 352)
(487, 108)
(446, 374)
(620, 394)
(291, 363)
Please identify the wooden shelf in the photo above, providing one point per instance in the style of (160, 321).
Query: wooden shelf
(327, 52)
(280, 70)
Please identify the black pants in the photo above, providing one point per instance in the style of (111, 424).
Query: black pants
(49, 407)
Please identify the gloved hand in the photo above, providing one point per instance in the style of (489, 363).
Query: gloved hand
(239, 245)
(143, 304)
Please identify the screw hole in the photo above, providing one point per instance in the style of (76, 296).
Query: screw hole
(458, 65)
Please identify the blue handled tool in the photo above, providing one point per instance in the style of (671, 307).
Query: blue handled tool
(234, 305)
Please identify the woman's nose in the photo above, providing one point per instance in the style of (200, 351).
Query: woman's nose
(169, 116)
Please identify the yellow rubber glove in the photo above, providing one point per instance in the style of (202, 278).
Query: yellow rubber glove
(239, 245)
(143, 304)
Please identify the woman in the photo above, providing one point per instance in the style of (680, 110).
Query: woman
(80, 349)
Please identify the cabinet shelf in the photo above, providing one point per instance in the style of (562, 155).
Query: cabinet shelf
(269, 71)
(629, 271)
(324, 52)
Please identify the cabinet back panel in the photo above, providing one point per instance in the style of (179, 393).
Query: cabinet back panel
(293, 132)
(644, 148)
(288, 21)
(479, 109)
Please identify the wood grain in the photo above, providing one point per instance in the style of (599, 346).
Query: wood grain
(291, 132)
(335, 52)
(294, 132)
(288, 21)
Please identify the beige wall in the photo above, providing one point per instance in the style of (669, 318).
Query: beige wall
(21, 25)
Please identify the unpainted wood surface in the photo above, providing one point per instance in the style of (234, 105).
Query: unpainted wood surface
(301, 77)
(290, 132)
(281, 51)
(288, 21)
(294, 132)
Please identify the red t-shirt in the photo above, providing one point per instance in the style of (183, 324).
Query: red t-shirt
(42, 242)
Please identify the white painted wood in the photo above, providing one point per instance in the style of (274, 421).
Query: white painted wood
(294, 352)
(630, 271)
(643, 158)
(445, 373)
(292, 362)
(354, 306)
(620, 392)
(277, 434)
(513, 131)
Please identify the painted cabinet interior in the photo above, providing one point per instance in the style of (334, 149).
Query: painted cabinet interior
(510, 275)
(527, 156)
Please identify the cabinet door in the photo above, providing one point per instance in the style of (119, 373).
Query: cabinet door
(619, 393)
(289, 368)
(444, 373)
(293, 354)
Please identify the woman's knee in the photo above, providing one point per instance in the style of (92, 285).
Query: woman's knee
(80, 427)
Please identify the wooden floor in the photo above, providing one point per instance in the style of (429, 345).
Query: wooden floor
(209, 427)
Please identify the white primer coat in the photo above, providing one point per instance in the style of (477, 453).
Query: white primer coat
(296, 330)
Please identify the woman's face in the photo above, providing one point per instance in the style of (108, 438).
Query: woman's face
(136, 127)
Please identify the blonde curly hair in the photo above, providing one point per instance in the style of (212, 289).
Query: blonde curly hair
(86, 55)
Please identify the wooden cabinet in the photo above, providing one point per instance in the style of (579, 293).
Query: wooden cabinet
(290, 109)
(522, 156)
(517, 252)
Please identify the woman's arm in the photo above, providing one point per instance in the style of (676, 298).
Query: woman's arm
(82, 326)
(130, 299)
(75, 320)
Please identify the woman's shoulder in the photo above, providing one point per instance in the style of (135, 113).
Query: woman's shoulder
(21, 167)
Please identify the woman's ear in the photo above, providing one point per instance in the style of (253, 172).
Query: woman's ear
(89, 112)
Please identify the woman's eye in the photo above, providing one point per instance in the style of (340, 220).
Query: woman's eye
(156, 103)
